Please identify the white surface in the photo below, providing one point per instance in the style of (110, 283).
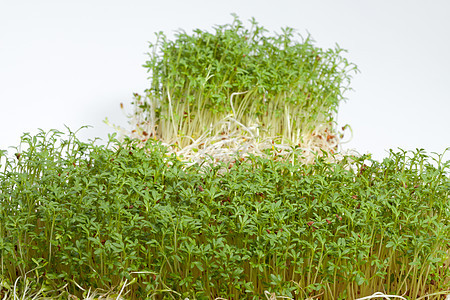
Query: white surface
(73, 62)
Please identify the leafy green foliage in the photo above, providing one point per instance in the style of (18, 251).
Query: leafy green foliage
(288, 88)
(98, 215)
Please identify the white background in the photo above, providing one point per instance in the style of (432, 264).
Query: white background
(73, 62)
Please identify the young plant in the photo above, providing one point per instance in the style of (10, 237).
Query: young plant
(131, 219)
(236, 78)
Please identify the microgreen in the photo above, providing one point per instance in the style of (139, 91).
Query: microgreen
(132, 219)
(240, 85)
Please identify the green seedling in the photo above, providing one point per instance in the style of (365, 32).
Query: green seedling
(238, 88)
(76, 217)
